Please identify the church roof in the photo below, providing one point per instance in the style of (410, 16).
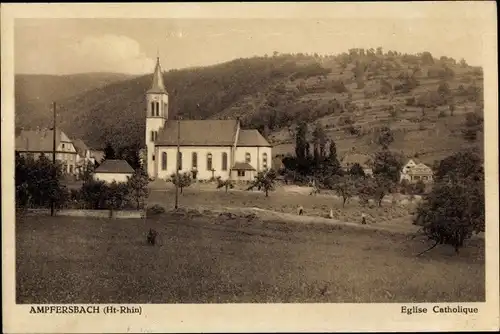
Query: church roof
(157, 86)
(251, 138)
(198, 133)
(114, 166)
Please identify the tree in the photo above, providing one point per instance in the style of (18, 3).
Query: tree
(264, 181)
(301, 144)
(109, 152)
(385, 137)
(375, 188)
(39, 182)
(388, 164)
(319, 141)
(345, 187)
(138, 186)
(356, 171)
(88, 171)
(461, 165)
(427, 58)
(116, 195)
(184, 180)
(227, 184)
(452, 212)
(94, 194)
(473, 125)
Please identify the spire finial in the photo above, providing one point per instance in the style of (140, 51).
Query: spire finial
(157, 53)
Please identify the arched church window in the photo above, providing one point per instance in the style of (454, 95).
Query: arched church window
(264, 160)
(194, 159)
(164, 161)
(224, 161)
(209, 161)
(152, 108)
(157, 108)
(248, 158)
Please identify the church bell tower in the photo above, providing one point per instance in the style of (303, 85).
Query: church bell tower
(156, 115)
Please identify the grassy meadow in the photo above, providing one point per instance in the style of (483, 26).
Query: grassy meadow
(206, 258)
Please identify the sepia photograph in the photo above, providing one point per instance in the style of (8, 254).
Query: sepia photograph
(280, 160)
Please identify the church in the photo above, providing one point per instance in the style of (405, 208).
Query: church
(206, 149)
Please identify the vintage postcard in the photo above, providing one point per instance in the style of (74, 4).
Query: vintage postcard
(249, 167)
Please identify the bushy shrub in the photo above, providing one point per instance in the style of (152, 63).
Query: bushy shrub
(155, 209)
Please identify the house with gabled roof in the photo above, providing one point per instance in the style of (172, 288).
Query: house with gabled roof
(34, 143)
(414, 171)
(113, 170)
(207, 148)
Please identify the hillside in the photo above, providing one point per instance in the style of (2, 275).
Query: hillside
(35, 93)
(422, 99)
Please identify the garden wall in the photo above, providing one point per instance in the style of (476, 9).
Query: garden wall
(120, 214)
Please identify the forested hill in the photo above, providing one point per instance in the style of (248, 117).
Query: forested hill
(35, 93)
(351, 95)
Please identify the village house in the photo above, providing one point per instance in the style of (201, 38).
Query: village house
(113, 170)
(414, 171)
(83, 157)
(34, 143)
(363, 160)
(207, 148)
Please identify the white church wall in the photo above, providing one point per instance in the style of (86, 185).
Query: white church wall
(187, 165)
(256, 156)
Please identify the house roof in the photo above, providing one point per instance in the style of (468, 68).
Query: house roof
(353, 158)
(242, 166)
(80, 147)
(251, 138)
(114, 166)
(157, 86)
(198, 133)
(39, 140)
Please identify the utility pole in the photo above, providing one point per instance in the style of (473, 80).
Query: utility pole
(177, 164)
(52, 202)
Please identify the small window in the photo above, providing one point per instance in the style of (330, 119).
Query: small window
(153, 157)
(264, 160)
(241, 173)
(248, 158)
(152, 108)
(416, 177)
(209, 161)
(152, 136)
(62, 145)
(157, 108)
(164, 161)
(194, 159)
(224, 161)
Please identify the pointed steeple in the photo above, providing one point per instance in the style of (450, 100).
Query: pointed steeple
(157, 86)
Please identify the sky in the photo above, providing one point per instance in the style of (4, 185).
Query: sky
(129, 45)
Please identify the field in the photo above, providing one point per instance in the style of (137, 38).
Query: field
(203, 257)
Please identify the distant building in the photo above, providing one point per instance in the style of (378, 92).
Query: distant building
(97, 155)
(350, 159)
(83, 157)
(207, 148)
(414, 171)
(113, 170)
(34, 143)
